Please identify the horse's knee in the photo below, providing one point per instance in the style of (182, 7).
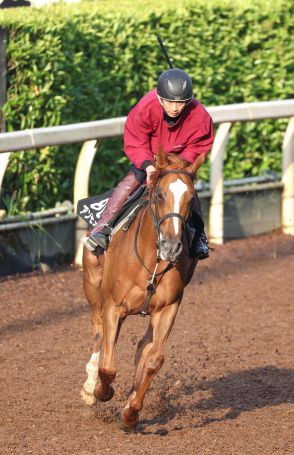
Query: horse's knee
(154, 363)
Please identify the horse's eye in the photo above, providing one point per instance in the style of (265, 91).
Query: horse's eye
(159, 195)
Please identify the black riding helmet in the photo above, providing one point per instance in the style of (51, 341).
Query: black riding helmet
(175, 85)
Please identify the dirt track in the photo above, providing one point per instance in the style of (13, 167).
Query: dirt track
(227, 385)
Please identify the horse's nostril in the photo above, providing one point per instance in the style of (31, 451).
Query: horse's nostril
(178, 248)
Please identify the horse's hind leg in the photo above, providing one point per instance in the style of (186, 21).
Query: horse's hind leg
(93, 271)
(151, 360)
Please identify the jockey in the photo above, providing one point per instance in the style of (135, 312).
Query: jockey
(169, 118)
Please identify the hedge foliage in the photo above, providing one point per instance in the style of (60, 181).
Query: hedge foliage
(88, 61)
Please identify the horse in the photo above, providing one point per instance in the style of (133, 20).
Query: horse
(144, 271)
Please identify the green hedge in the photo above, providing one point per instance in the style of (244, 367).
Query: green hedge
(84, 62)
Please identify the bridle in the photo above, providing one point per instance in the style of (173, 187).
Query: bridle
(157, 222)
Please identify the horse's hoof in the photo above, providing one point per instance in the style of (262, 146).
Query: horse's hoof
(128, 425)
(104, 396)
(87, 398)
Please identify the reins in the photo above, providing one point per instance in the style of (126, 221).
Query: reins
(157, 221)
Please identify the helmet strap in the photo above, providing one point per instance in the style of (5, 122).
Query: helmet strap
(159, 99)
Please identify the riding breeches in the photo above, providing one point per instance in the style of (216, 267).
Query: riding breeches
(196, 219)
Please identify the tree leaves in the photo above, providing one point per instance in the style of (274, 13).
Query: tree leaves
(85, 62)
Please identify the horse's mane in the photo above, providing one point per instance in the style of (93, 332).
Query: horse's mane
(170, 161)
(167, 162)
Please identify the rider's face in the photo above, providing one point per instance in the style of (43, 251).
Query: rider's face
(172, 108)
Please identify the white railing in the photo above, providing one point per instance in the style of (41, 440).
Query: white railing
(89, 132)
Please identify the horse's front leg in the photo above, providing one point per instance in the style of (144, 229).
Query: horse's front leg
(92, 278)
(107, 370)
(147, 338)
(151, 360)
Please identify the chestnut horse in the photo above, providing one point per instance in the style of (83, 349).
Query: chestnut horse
(147, 268)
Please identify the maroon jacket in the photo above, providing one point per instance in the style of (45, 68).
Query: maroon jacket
(146, 131)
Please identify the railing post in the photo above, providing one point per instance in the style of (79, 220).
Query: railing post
(3, 43)
(81, 190)
(4, 159)
(3, 82)
(288, 180)
(216, 209)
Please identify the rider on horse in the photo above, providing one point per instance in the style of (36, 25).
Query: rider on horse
(171, 119)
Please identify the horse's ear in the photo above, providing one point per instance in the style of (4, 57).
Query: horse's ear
(161, 159)
(196, 165)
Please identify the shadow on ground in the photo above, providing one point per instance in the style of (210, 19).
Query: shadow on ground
(236, 393)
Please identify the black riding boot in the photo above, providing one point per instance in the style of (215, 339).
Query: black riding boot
(99, 235)
(199, 246)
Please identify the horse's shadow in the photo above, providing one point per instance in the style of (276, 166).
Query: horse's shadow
(238, 392)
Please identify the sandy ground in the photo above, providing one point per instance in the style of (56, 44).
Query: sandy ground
(227, 385)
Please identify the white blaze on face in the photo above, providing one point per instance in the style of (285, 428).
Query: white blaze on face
(178, 188)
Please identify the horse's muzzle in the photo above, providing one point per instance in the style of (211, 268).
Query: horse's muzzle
(169, 250)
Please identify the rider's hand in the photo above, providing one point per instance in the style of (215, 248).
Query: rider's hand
(150, 170)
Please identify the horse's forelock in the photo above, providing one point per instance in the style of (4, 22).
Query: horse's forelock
(166, 162)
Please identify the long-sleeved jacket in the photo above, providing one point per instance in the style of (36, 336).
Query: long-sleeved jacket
(146, 131)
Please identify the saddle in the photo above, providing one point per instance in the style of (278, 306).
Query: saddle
(90, 209)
